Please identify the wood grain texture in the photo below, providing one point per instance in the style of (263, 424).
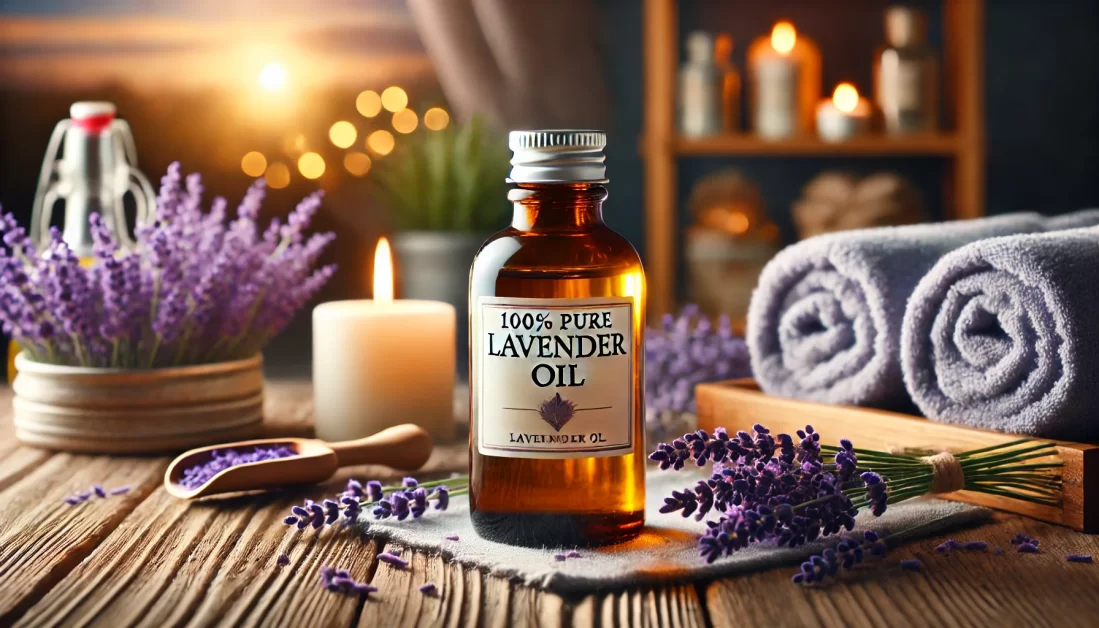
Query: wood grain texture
(146, 559)
(738, 404)
(965, 588)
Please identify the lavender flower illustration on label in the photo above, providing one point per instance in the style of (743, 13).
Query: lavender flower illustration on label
(557, 411)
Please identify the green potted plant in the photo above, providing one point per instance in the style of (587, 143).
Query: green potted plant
(445, 190)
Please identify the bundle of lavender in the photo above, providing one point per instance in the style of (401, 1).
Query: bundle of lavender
(193, 291)
(775, 489)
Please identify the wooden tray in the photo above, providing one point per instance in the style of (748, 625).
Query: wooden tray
(738, 404)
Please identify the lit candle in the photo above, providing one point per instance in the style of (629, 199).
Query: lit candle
(382, 362)
(844, 116)
(784, 75)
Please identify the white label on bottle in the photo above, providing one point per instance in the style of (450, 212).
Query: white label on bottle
(553, 377)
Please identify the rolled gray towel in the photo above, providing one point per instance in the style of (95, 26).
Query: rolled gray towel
(824, 323)
(1001, 334)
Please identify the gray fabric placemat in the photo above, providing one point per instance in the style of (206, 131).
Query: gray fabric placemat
(666, 550)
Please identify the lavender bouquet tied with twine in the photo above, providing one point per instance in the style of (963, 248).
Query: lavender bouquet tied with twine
(790, 491)
(194, 290)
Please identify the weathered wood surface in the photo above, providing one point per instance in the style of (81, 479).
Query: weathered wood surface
(146, 559)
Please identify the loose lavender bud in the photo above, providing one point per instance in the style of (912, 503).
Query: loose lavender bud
(573, 554)
(374, 491)
(290, 520)
(978, 546)
(1027, 548)
(948, 546)
(102, 494)
(911, 565)
(451, 537)
(1021, 538)
(84, 495)
(363, 588)
(72, 500)
(121, 490)
(1078, 558)
(392, 559)
(221, 459)
(559, 558)
(427, 589)
(283, 560)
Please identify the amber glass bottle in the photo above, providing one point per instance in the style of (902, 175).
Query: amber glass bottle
(557, 313)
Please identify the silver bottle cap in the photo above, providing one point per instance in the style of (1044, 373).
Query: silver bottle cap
(557, 156)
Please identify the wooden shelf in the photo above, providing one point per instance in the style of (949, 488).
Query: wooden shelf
(749, 145)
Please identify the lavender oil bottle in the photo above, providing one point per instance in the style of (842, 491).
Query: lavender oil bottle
(557, 317)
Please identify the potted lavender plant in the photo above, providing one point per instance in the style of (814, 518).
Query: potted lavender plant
(445, 191)
(156, 347)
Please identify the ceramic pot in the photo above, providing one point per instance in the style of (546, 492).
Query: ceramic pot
(434, 265)
(124, 411)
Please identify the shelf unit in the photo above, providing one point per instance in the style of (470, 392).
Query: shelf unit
(962, 146)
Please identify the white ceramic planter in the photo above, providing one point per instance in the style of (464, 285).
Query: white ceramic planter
(137, 411)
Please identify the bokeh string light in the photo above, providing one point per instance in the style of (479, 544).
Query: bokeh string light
(254, 164)
(394, 99)
(277, 176)
(405, 121)
(356, 163)
(381, 142)
(343, 134)
(369, 103)
(311, 165)
(436, 119)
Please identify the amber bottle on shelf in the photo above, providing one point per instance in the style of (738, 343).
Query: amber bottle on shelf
(557, 315)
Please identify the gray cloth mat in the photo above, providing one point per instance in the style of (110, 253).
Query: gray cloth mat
(1001, 335)
(824, 322)
(665, 551)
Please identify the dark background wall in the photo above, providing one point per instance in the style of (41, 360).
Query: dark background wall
(1042, 100)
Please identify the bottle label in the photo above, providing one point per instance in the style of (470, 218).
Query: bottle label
(553, 377)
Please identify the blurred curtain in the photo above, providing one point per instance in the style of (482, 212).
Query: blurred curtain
(517, 63)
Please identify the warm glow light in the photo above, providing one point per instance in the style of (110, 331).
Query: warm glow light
(394, 99)
(311, 165)
(845, 98)
(278, 175)
(436, 119)
(357, 164)
(343, 134)
(369, 103)
(383, 272)
(253, 164)
(273, 77)
(737, 223)
(405, 121)
(381, 142)
(783, 37)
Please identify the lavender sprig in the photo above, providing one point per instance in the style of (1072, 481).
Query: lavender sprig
(192, 290)
(411, 498)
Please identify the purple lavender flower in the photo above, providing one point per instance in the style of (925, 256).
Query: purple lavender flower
(911, 565)
(451, 537)
(283, 560)
(684, 352)
(193, 290)
(392, 559)
(573, 554)
(102, 494)
(559, 558)
(977, 546)
(1028, 548)
(221, 459)
(768, 489)
(340, 581)
(1020, 539)
(427, 589)
(948, 546)
(1078, 558)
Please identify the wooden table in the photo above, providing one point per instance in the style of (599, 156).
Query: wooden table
(147, 559)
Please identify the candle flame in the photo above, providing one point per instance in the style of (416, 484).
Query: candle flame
(783, 37)
(383, 272)
(845, 98)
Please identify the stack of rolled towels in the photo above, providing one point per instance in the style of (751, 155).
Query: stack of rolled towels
(986, 323)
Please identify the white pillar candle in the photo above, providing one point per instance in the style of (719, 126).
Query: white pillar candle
(784, 83)
(382, 362)
(844, 116)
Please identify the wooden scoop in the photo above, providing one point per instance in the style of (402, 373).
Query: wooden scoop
(404, 447)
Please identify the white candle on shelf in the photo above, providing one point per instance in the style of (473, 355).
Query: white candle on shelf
(381, 362)
(784, 75)
(844, 116)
